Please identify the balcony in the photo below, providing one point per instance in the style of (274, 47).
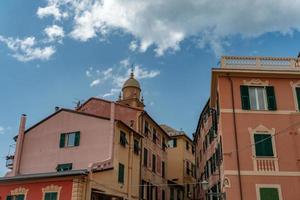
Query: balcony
(262, 63)
(265, 164)
(10, 161)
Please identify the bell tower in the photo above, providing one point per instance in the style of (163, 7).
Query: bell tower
(131, 93)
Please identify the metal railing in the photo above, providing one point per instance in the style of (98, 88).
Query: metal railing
(254, 62)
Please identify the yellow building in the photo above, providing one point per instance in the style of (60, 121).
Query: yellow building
(181, 164)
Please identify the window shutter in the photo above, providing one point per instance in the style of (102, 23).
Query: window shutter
(269, 194)
(20, 197)
(298, 96)
(271, 98)
(149, 159)
(77, 138)
(158, 164)
(263, 145)
(48, 196)
(62, 140)
(9, 198)
(245, 97)
(121, 173)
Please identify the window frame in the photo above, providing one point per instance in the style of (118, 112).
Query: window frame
(123, 140)
(64, 139)
(70, 167)
(257, 98)
(145, 157)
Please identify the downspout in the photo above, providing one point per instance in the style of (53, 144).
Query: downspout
(236, 138)
(19, 146)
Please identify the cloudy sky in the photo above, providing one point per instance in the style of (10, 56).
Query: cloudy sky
(56, 52)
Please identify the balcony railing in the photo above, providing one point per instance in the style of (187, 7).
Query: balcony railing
(273, 63)
(10, 161)
(265, 164)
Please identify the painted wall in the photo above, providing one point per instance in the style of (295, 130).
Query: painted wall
(35, 188)
(41, 151)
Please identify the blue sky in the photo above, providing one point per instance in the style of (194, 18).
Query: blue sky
(54, 52)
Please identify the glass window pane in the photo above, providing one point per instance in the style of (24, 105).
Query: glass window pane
(252, 95)
(71, 140)
(261, 98)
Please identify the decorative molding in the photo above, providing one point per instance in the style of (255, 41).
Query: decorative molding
(262, 173)
(258, 186)
(52, 188)
(226, 182)
(19, 190)
(263, 164)
(266, 112)
(256, 82)
(294, 85)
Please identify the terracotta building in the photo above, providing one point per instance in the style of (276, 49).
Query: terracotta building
(248, 135)
(97, 151)
(181, 164)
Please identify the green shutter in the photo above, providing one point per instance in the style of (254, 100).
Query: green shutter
(271, 98)
(62, 140)
(51, 196)
(48, 196)
(77, 138)
(9, 198)
(263, 145)
(269, 194)
(298, 97)
(121, 173)
(20, 197)
(245, 97)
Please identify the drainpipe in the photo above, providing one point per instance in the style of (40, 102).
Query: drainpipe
(19, 146)
(236, 138)
(140, 130)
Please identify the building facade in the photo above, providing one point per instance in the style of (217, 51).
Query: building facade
(181, 164)
(248, 135)
(93, 152)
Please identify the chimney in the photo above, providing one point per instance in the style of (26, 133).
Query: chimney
(19, 146)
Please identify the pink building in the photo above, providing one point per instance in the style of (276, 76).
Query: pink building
(248, 134)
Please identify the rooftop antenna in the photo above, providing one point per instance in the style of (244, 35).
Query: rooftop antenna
(78, 102)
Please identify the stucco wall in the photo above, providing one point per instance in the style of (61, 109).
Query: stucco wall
(41, 151)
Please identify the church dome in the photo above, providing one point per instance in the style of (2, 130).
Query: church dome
(132, 82)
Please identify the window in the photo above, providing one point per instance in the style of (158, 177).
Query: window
(258, 98)
(121, 173)
(136, 146)
(187, 168)
(16, 197)
(145, 157)
(298, 96)
(173, 143)
(69, 139)
(269, 194)
(163, 195)
(163, 144)
(187, 145)
(154, 136)
(146, 128)
(123, 140)
(153, 163)
(193, 150)
(163, 173)
(51, 196)
(64, 167)
(263, 145)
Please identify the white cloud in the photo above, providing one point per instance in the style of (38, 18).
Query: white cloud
(164, 24)
(51, 10)
(133, 45)
(26, 49)
(117, 75)
(54, 32)
(2, 130)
